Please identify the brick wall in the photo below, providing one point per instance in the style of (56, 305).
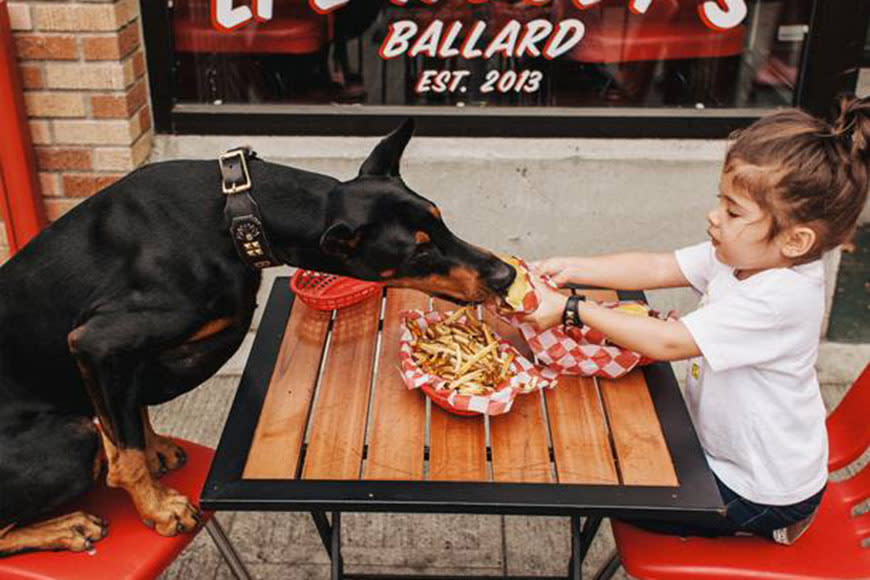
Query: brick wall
(85, 86)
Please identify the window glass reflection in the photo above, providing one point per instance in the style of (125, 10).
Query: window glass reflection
(665, 57)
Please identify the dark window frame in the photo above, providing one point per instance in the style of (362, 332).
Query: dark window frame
(834, 49)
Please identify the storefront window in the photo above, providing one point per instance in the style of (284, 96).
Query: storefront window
(496, 53)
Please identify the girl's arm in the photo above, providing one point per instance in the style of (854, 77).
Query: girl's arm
(629, 271)
(658, 339)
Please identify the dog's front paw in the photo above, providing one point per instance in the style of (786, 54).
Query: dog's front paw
(76, 532)
(171, 513)
(163, 454)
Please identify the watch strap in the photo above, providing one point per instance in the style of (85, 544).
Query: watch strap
(571, 314)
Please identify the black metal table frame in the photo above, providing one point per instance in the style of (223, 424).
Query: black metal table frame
(697, 497)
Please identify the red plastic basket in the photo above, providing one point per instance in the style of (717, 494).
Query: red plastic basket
(440, 399)
(328, 291)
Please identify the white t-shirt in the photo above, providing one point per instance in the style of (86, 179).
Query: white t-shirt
(753, 394)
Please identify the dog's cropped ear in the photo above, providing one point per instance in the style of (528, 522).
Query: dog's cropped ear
(339, 240)
(384, 159)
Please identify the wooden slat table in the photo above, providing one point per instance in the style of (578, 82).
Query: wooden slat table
(323, 422)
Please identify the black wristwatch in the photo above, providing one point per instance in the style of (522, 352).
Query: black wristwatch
(571, 316)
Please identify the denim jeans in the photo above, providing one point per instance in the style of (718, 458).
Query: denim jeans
(741, 515)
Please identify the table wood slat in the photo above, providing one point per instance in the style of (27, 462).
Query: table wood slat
(581, 444)
(338, 424)
(578, 427)
(637, 436)
(277, 441)
(519, 437)
(396, 437)
(640, 446)
(457, 445)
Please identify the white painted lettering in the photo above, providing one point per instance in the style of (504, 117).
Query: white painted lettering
(561, 42)
(504, 41)
(718, 18)
(427, 43)
(228, 16)
(398, 38)
(536, 31)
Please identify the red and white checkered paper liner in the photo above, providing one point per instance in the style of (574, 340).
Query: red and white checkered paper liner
(572, 351)
(497, 403)
(566, 352)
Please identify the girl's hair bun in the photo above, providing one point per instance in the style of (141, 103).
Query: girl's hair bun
(852, 126)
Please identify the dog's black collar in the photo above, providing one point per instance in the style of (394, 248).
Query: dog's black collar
(241, 211)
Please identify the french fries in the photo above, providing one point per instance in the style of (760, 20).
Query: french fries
(463, 353)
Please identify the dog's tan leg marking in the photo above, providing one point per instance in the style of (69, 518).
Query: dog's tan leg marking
(162, 508)
(74, 532)
(99, 462)
(161, 452)
(210, 328)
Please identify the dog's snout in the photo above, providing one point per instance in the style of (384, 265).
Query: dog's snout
(501, 277)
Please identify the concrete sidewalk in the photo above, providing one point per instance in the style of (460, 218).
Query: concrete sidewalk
(286, 545)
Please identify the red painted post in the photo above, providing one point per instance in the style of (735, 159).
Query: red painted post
(21, 203)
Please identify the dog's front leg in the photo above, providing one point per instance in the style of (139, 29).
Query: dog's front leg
(166, 510)
(112, 351)
(161, 452)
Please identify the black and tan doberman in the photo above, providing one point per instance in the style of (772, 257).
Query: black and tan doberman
(141, 293)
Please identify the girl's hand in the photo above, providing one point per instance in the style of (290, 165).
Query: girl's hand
(562, 270)
(549, 311)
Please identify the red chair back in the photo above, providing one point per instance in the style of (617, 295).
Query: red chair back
(293, 29)
(848, 427)
(670, 29)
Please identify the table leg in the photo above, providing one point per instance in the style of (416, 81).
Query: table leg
(323, 530)
(581, 539)
(590, 528)
(337, 571)
(330, 535)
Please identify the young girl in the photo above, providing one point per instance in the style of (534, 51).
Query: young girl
(792, 188)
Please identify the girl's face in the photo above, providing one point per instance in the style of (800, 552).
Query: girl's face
(738, 228)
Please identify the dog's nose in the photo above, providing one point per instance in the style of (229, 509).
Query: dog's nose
(501, 277)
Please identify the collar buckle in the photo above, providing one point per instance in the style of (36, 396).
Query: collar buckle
(241, 212)
(235, 177)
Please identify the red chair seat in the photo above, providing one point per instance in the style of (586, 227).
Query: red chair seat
(657, 41)
(131, 550)
(277, 36)
(828, 549)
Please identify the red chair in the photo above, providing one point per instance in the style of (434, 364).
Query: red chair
(130, 551)
(830, 548)
(669, 30)
(294, 29)
(252, 62)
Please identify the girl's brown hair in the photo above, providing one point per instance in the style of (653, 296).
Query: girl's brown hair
(802, 170)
